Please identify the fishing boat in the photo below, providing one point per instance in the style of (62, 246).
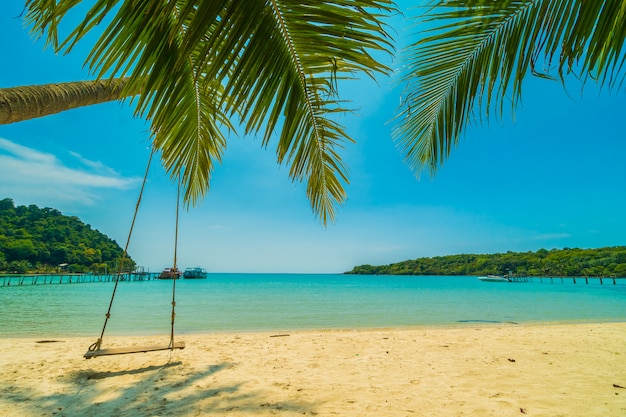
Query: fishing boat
(195, 273)
(170, 273)
(495, 278)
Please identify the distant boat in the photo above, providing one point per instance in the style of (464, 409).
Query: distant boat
(195, 273)
(170, 273)
(495, 278)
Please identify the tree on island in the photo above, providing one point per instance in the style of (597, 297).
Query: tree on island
(34, 239)
(572, 262)
(272, 66)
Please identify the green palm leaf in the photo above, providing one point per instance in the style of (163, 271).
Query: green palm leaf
(474, 55)
(272, 66)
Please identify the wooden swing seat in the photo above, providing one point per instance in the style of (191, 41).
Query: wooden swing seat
(134, 349)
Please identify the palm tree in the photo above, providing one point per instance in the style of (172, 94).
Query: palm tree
(271, 66)
(28, 102)
(474, 55)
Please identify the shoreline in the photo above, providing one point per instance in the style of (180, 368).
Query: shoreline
(434, 326)
(493, 369)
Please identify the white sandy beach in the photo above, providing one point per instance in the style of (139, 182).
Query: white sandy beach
(495, 370)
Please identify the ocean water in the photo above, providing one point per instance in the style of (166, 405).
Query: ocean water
(283, 302)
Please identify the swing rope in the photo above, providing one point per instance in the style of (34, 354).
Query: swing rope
(175, 268)
(96, 346)
(95, 349)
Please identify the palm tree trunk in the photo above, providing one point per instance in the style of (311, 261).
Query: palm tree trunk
(24, 103)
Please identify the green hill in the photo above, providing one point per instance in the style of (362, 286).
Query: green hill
(34, 239)
(603, 262)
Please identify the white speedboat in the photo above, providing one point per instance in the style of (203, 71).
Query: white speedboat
(495, 278)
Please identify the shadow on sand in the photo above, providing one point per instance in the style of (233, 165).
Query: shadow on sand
(172, 389)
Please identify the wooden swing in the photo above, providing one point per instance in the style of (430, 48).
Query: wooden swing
(95, 349)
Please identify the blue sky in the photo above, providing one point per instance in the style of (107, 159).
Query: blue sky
(551, 177)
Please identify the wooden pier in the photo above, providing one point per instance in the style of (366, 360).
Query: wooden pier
(47, 279)
(519, 279)
(586, 280)
(574, 280)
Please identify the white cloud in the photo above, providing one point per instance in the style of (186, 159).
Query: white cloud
(33, 176)
(96, 165)
(26, 154)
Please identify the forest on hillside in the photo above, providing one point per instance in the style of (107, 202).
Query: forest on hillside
(43, 240)
(602, 262)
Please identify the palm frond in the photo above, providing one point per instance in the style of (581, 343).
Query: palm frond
(272, 64)
(312, 46)
(475, 54)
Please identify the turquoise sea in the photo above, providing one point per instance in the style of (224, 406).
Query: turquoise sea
(283, 302)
